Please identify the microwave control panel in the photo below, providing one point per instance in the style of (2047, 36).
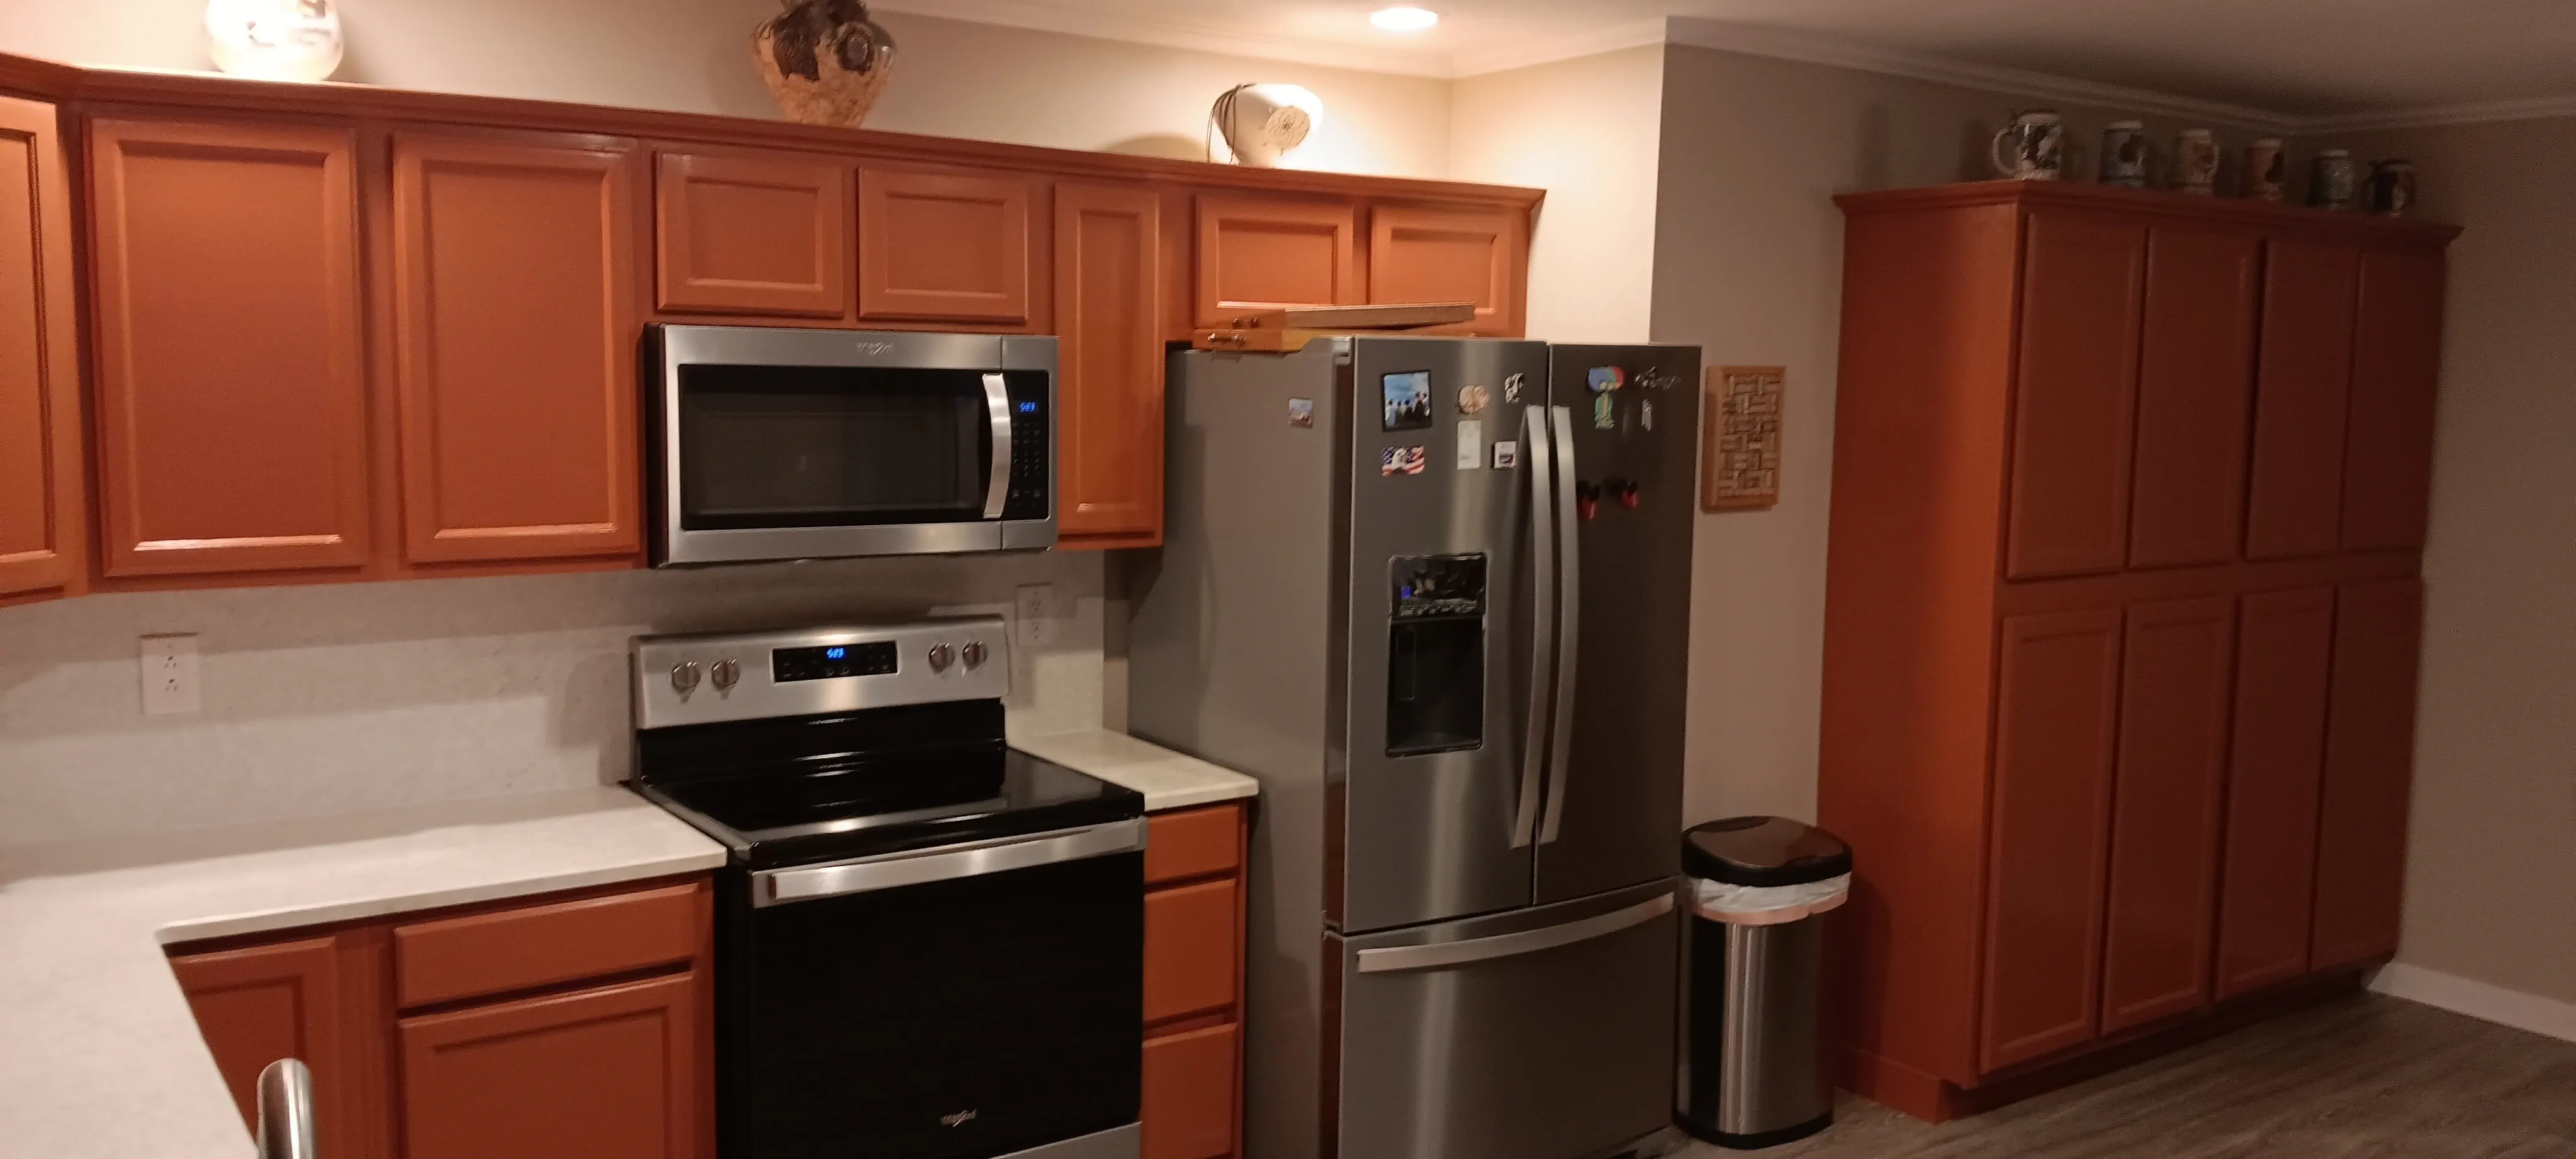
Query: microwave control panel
(1030, 445)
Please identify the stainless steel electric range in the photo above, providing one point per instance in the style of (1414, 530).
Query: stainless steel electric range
(930, 945)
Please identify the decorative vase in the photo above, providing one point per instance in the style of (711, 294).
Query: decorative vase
(825, 61)
(290, 40)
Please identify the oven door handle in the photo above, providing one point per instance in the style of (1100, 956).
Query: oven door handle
(893, 870)
(997, 481)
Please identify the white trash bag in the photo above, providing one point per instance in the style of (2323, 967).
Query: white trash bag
(1766, 905)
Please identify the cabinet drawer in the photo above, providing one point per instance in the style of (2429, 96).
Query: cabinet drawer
(614, 1071)
(1192, 844)
(1189, 1094)
(543, 945)
(1189, 949)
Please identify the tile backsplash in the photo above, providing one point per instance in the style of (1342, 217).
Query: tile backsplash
(342, 698)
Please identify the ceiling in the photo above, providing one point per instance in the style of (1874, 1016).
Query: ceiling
(2290, 61)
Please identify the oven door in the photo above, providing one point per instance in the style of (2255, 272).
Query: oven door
(951, 1003)
(797, 444)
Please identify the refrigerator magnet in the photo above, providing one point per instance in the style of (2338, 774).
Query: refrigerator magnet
(1472, 399)
(1512, 384)
(1646, 413)
(1507, 455)
(1301, 412)
(1605, 378)
(1605, 413)
(1402, 461)
(1408, 400)
(1471, 444)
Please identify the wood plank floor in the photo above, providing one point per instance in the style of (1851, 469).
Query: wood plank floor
(2368, 1076)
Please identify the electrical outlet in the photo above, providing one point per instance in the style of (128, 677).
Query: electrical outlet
(169, 675)
(1036, 616)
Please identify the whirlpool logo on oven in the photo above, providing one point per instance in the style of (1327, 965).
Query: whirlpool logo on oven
(878, 350)
(959, 1119)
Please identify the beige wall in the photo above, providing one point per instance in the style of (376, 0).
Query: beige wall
(951, 78)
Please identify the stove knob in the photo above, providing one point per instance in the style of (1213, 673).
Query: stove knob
(684, 678)
(973, 653)
(725, 673)
(941, 656)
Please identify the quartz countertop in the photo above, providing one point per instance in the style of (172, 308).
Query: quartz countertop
(1168, 779)
(99, 1055)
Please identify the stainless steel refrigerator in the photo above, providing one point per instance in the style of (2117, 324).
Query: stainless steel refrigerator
(1435, 595)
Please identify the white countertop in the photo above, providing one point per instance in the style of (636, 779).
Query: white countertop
(99, 1055)
(1168, 779)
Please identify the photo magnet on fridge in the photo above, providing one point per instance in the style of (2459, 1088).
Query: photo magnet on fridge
(1408, 399)
(1402, 461)
(1507, 455)
(1301, 412)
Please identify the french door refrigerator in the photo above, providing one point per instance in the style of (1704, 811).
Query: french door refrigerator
(1434, 594)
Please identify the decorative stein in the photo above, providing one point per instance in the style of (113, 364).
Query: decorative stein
(2331, 185)
(825, 61)
(294, 40)
(2392, 188)
(2032, 148)
(2124, 154)
(2196, 162)
(2267, 171)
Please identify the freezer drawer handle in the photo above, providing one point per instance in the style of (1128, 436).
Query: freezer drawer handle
(1441, 954)
(780, 886)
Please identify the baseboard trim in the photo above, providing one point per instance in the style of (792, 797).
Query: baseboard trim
(2477, 999)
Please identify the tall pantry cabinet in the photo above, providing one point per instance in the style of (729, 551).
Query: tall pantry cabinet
(2122, 617)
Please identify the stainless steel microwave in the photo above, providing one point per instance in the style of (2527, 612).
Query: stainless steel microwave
(776, 443)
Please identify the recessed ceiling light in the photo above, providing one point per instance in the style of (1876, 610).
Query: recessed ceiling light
(1404, 19)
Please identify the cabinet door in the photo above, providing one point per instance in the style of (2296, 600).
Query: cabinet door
(2283, 655)
(607, 1072)
(258, 1005)
(1261, 252)
(1451, 255)
(2195, 383)
(2369, 770)
(2055, 706)
(43, 524)
(2083, 278)
(2397, 366)
(1190, 1092)
(1109, 360)
(232, 417)
(2302, 385)
(944, 247)
(752, 234)
(2165, 816)
(517, 332)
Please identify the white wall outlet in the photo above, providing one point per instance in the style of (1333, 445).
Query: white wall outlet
(1035, 611)
(169, 675)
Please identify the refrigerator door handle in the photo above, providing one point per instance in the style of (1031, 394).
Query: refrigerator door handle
(1442, 954)
(1569, 611)
(1540, 470)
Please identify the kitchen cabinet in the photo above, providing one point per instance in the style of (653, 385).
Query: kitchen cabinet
(43, 508)
(290, 999)
(947, 247)
(610, 1071)
(2083, 280)
(516, 341)
(752, 233)
(1257, 252)
(1192, 1084)
(2370, 750)
(2167, 800)
(2303, 388)
(2396, 364)
(231, 387)
(1194, 926)
(2195, 386)
(2284, 658)
(1420, 254)
(1109, 362)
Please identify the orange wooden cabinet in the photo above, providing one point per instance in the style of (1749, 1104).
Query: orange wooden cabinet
(949, 247)
(1419, 254)
(2119, 645)
(1109, 359)
(1256, 252)
(752, 233)
(1194, 915)
(43, 511)
(303, 999)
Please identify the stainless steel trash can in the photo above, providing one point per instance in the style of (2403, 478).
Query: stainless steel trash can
(1752, 1069)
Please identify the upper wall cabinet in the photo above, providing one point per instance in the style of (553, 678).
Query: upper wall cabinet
(516, 335)
(742, 233)
(2076, 397)
(1450, 255)
(2397, 364)
(1109, 356)
(2195, 383)
(231, 394)
(946, 247)
(2302, 390)
(41, 507)
(1262, 252)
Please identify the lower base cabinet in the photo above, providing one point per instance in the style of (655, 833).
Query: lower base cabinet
(1194, 915)
(1191, 1080)
(606, 1072)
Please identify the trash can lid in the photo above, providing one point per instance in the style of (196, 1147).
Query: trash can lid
(1763, 851)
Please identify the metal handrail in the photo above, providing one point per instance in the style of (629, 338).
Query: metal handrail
(286, 1111)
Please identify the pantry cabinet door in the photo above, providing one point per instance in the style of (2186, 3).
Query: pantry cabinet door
(2397, 366)
(2174, 702)
(1262, 252)
(2284, 655)
(1109, 361)
(1421, 255)
(748, 233)
(2302, 389)
(946, 247)
(232, 411)
(516, 301)
(2195, 387)
(2369, 773)
(2075, 394)
(43, 518)
(615, 1071)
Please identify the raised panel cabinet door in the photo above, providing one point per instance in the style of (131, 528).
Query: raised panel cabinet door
(2369, 773)
(43, 521)
(1190, 1092)
(2055, 710)
(264, 1003)
(2075, 397)
(516, 337)
(2302, 385)
(2284, 651)
(610, 1073)
(2195, 387)
(752, 234)
(2396, 370)
(1451, 255)
(2166, 808)
(1262, 252)
(1109, 362)
(1190, 949)
(945, 247)
(232, 411)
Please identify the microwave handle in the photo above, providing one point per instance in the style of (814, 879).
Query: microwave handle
(997, 484)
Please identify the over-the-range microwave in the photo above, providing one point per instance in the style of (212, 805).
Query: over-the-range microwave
(776, 443)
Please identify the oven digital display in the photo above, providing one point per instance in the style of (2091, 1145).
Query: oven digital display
(832, 661)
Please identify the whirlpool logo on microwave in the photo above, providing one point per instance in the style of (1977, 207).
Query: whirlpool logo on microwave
(959, 1119)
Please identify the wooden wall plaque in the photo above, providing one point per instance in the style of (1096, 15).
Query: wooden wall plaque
(1740, 438)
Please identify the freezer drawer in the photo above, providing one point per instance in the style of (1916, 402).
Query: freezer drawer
(1545, 1033)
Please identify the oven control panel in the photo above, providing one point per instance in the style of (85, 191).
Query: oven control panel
(833, 661)
(712, 677)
